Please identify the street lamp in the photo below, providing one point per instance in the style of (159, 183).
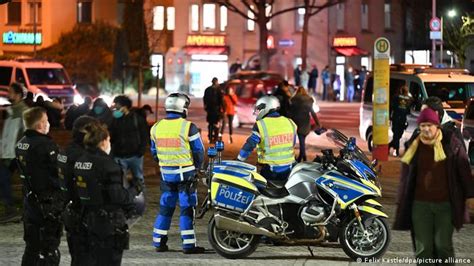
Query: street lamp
(451, 13)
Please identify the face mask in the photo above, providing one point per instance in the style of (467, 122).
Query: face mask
(98, 110)
(117, 113)
(46, 130)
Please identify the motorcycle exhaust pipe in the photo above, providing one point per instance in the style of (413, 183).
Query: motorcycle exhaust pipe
(226, 223)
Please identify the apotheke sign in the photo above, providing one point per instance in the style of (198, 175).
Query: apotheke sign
(205, 40)
(11, 37)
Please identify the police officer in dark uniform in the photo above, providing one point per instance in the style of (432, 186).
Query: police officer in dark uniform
(72, 215)
(36, 154)
(400, 109)
(107, 204)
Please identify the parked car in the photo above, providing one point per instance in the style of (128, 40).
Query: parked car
(453, 86)
(249, 86)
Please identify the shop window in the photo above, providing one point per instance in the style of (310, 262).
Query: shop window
(35, 12)
(388, 14)
(250, 22)
(14, 12)
(268, 12)
(299, 19)
(194, 17)
(158, 17)
(170, 18)
(340, 16)
(364, 16)
(209, 17)
(84, 11)
(223, 18)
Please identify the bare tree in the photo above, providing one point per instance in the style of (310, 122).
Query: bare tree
(256, 10)
(458, 37)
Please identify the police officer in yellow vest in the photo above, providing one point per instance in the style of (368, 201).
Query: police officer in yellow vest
(275, 137)
(177, 146)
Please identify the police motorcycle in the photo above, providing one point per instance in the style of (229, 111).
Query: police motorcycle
(330, 199)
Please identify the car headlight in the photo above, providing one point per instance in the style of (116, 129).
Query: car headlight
(78, 99)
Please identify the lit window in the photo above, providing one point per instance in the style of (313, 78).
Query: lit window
(223, 14)
(388, 14)
(340, 17)
(84, 12)
(268, 11)
(300, 18)
(364, 13)
(35, 11)
(170, 18)
(209, 16)
(250, 22)
(194, 17)
(158, 18)
(14, 13)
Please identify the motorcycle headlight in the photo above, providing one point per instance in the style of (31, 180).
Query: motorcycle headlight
(78, 99)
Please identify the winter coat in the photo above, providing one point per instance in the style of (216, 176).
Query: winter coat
(230, 101)
(300, 108)
(12, 130)
(313, 77)
(460, 184)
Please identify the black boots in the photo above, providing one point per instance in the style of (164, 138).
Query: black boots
(194, 250)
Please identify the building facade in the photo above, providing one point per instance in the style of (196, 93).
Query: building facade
(24, 23)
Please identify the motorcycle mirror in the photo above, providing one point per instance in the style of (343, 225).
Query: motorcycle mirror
(219, 145)
(374, 163)
(211, 152)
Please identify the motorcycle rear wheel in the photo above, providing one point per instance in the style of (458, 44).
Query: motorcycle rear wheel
(363, 248)
(230, 244)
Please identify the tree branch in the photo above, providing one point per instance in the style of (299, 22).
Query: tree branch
(231, 7)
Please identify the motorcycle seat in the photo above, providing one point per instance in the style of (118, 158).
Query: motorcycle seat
(274, 192)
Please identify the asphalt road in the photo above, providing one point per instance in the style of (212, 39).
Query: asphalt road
(341, 116)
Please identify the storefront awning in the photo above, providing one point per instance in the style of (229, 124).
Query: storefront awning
(213, 50)
(350, 51)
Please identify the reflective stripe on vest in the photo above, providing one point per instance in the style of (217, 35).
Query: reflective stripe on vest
(172, 142)
(276, 145)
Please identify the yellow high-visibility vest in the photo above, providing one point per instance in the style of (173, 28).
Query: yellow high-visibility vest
(277, 140)
(171, 137)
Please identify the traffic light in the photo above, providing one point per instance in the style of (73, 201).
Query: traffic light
(4, 2)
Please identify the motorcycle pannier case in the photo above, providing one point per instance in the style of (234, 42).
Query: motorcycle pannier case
(242, 170)
(232, 192)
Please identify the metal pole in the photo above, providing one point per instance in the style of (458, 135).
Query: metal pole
(123, 77)
(441, 44)
(433, 42)
(157, 99)
(34, 27)
(140, 86)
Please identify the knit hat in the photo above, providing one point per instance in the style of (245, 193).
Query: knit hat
(428, 115)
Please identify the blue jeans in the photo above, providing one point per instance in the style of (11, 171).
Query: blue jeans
(134, 164)
(350, 92)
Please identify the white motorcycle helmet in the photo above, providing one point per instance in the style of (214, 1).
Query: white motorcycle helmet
(266, 105)
(177, 102)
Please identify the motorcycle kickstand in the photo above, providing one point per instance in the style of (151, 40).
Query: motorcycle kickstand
(310, 251)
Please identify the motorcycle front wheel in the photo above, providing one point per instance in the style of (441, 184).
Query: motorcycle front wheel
(359, 245)
(230, 244)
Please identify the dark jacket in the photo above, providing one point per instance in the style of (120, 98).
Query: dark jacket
(300, 108)
(284, 100)
(313, 77)
(129, 135)
(460, 184)
(66, 159)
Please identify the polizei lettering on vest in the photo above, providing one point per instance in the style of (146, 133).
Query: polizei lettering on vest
(281, 139)
(234, 196)
(83, 166)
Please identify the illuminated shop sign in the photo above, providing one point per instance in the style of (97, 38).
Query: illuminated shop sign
(205, 40)
(11, 37)
(344, 41)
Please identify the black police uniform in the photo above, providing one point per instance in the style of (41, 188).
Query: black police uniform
(107, 204)
(36, 154)
(400, 110)
(73, 213)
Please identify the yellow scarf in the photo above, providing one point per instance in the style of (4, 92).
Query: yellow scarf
(439, 154)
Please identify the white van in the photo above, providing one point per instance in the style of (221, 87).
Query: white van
(44, 78)
(453, 86)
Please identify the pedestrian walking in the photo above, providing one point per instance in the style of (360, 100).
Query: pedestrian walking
(106, 203)
(129, 136)
(401, 104)
(274, 136)
(235, 67)
(177, 147)
(349, 78)
(313, 80)
(230, 101)
(37, 154)
(326, 78)
(214, 107)
(76, 232)
(101, 111)
(432, 196)
(297, 75)
(12, 132)
(283, 94)
(361, 80)
(300, 109)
